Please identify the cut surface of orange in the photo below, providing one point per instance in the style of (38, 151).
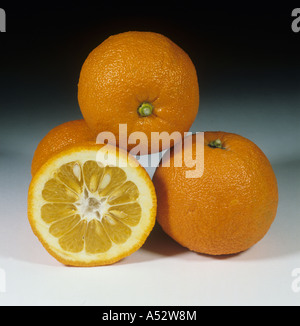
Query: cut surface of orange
(91, 205)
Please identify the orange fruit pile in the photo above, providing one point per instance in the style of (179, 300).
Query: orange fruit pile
(93, 204)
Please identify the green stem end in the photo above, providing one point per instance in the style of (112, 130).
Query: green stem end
(216, 144)
(145, 109)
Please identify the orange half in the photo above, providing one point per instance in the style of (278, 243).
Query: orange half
(91, 205)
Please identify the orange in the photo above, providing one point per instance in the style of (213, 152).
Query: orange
(143, 80)
(91, 205)
(58, 138)
(226, 210)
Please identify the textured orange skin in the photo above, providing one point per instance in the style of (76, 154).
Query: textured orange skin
(130, 68)
(226, 211)
(68, 133)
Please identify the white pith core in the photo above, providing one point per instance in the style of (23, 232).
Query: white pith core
(91, 207)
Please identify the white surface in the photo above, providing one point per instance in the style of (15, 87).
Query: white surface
(160, 273)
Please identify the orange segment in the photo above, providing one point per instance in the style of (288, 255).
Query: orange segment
(97, 241)
(116, 230)
(55, 191)
(113, 178)
(56, 211)
(70, 174)
(128, 192)
(92, 175)
(73, 241)
(129, 214)
(62, 226)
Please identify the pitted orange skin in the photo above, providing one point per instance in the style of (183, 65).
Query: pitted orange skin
(227, 210)
(130, 69)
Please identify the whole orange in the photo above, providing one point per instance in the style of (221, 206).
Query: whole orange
(226, 210)
(68, 133)
(141, 79)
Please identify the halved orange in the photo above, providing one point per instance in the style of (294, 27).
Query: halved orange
(91, 205)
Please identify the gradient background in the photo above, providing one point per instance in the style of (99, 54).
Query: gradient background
(247, 59)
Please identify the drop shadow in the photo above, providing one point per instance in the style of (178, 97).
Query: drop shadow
(161, 244)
